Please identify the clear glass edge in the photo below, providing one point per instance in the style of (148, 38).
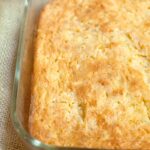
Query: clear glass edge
(17, 125)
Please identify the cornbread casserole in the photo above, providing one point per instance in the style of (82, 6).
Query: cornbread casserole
(91, 78)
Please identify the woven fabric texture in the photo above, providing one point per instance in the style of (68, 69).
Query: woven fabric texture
(10, 18)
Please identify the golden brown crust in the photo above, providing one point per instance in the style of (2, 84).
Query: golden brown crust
(91, 83)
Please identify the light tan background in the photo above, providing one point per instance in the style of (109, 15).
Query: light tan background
(10, 17)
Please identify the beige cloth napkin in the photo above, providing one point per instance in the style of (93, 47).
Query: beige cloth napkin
(10, 17)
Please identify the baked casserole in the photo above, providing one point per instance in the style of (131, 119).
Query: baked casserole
(91, 78)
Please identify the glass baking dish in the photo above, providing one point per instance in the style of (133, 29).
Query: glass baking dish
(23, 75)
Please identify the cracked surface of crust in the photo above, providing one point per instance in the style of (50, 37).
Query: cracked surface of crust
(91, 80)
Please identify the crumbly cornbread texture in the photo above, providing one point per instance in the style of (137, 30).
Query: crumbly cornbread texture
(91, 78)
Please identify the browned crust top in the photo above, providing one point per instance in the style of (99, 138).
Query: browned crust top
(91, 83)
